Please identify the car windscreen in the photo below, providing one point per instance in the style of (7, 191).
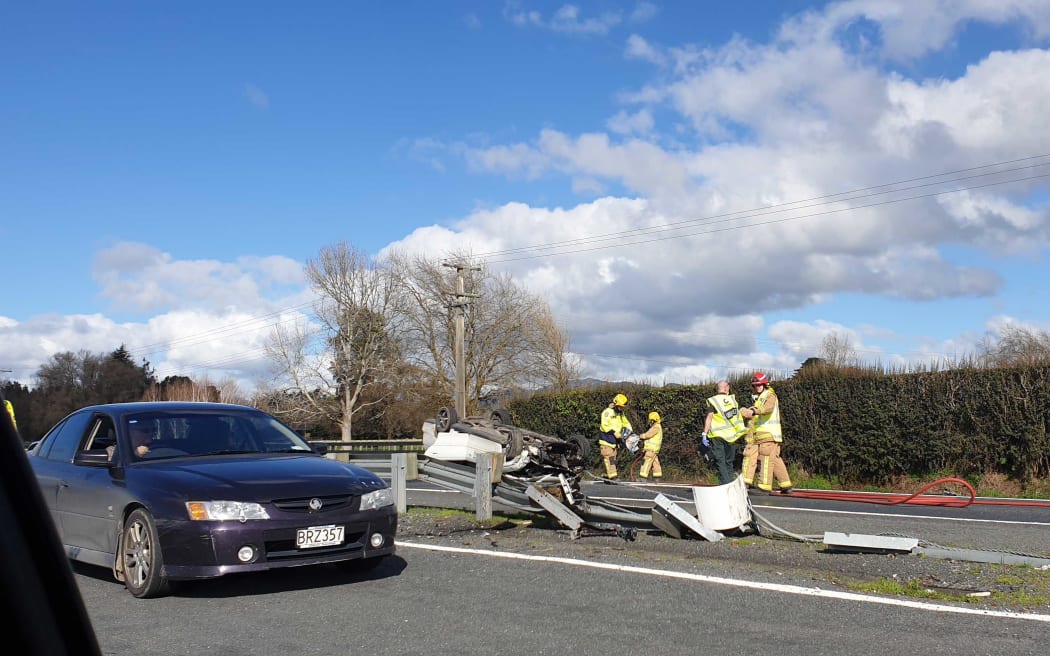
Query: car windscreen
(156, 435)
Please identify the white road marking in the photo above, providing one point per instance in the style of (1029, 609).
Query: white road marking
(690, 504)
(769, 587)
(904, 516)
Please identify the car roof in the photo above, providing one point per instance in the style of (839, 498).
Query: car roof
(137, 407)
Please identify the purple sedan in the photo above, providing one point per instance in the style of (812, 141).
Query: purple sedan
(169, 491)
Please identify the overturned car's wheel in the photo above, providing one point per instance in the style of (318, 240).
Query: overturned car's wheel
(515, 443)
(582, 444)
(446, 416)
(142, 561)
(501, 417)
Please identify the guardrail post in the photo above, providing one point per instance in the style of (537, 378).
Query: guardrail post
(483, 485)
(398, 476)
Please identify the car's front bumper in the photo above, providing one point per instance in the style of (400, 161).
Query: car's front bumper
(206, 549)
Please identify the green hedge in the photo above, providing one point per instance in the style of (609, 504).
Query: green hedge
(856, 425)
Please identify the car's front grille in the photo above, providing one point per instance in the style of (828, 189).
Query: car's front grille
(303, 505)
(286, 549)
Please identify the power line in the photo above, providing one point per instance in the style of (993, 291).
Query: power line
(779, 207)
(635, 242)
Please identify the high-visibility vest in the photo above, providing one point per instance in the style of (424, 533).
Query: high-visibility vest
(769, 424)
(726, 423)
(615, 422)
(11, 411)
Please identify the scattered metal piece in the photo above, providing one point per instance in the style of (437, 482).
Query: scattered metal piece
(668, 515)
(860, 543)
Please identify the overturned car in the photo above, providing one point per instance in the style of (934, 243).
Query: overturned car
(526, 453)
(536, 471)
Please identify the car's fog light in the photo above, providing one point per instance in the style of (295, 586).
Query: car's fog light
(376, 540)
(246, 554)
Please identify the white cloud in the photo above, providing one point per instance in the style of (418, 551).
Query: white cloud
(641, 165)
(904, 29)
(194, 343)
(995, 107)
(208, 318)
(569, 19)
(804, 339)
(641, 122)
(587, 186)
(639, 48)
(643, 12)
(140, 277)
(513, 159)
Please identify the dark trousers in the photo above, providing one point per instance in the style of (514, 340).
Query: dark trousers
(725, 454)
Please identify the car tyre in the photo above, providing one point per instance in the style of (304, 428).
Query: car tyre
(143, 564)
(583, 444)
(446, 416)
(515, 444)
(501, 418)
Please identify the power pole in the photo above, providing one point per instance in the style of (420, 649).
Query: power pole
(459, 302)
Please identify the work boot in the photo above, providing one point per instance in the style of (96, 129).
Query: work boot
(786, 490)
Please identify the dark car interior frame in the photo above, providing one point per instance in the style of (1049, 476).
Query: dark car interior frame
(39, 596)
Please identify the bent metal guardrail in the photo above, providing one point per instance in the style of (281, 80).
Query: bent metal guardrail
(474, 480)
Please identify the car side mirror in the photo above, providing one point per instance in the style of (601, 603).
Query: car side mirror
(93, 459)
(322, 449)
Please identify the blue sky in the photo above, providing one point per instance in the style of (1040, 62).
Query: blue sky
(167, 169)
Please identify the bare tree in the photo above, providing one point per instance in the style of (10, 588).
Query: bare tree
(512, 340)
(837, 350)
(183, 388)
(1015, 345)
(352, 346)
(555, 365)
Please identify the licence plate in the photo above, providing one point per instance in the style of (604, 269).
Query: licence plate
(319, 536)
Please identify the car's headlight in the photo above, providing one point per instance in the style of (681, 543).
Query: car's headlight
(377, 499)
(241, 511)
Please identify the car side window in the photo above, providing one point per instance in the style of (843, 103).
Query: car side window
(66, 438)
(103, 435)
(43, 445)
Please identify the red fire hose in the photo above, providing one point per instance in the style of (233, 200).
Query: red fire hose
(916, 498)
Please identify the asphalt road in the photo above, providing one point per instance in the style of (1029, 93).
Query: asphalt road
(432, 602)
(1018, 529)
(432, 599)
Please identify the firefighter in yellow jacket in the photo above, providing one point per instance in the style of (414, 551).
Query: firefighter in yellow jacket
(764, 437)
(614, 427)
(651, 441)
